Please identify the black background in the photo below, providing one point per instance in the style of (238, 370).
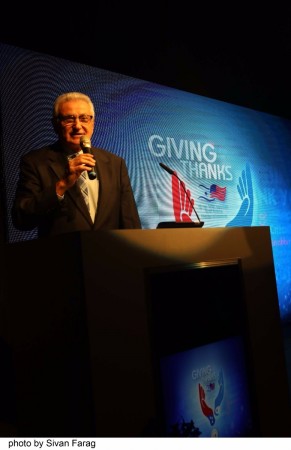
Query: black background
(238, 53)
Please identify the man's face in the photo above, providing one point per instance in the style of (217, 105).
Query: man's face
(75, 120)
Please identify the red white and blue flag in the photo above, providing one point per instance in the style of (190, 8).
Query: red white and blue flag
(217, 192)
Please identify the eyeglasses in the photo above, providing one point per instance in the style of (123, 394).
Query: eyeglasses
(68, 120)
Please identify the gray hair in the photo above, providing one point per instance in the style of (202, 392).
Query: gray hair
(68, 96)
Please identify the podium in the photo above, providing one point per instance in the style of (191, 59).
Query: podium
(74, 319)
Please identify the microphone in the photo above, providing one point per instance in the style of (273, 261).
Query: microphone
(172, 172)
(85, 144)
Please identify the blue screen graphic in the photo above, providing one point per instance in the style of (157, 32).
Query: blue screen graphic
(207, 388)
(233, 161)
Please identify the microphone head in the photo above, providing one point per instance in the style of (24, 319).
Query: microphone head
(85, 143)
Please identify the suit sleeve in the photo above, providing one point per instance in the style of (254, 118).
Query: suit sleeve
(32, 201)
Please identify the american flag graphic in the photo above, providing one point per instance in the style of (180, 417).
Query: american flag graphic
(217, 192)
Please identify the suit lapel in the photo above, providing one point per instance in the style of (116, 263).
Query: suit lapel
(102, 164)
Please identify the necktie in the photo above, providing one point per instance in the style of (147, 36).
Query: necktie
(82, 182)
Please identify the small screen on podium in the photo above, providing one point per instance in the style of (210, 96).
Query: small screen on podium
(200, 349)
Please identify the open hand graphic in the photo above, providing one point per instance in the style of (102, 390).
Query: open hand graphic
(182, 202)
(207, 411)
(244, 216)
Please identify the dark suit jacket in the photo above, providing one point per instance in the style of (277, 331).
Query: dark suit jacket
(36, 203)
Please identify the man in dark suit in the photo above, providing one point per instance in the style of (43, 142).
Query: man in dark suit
(48, 194)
